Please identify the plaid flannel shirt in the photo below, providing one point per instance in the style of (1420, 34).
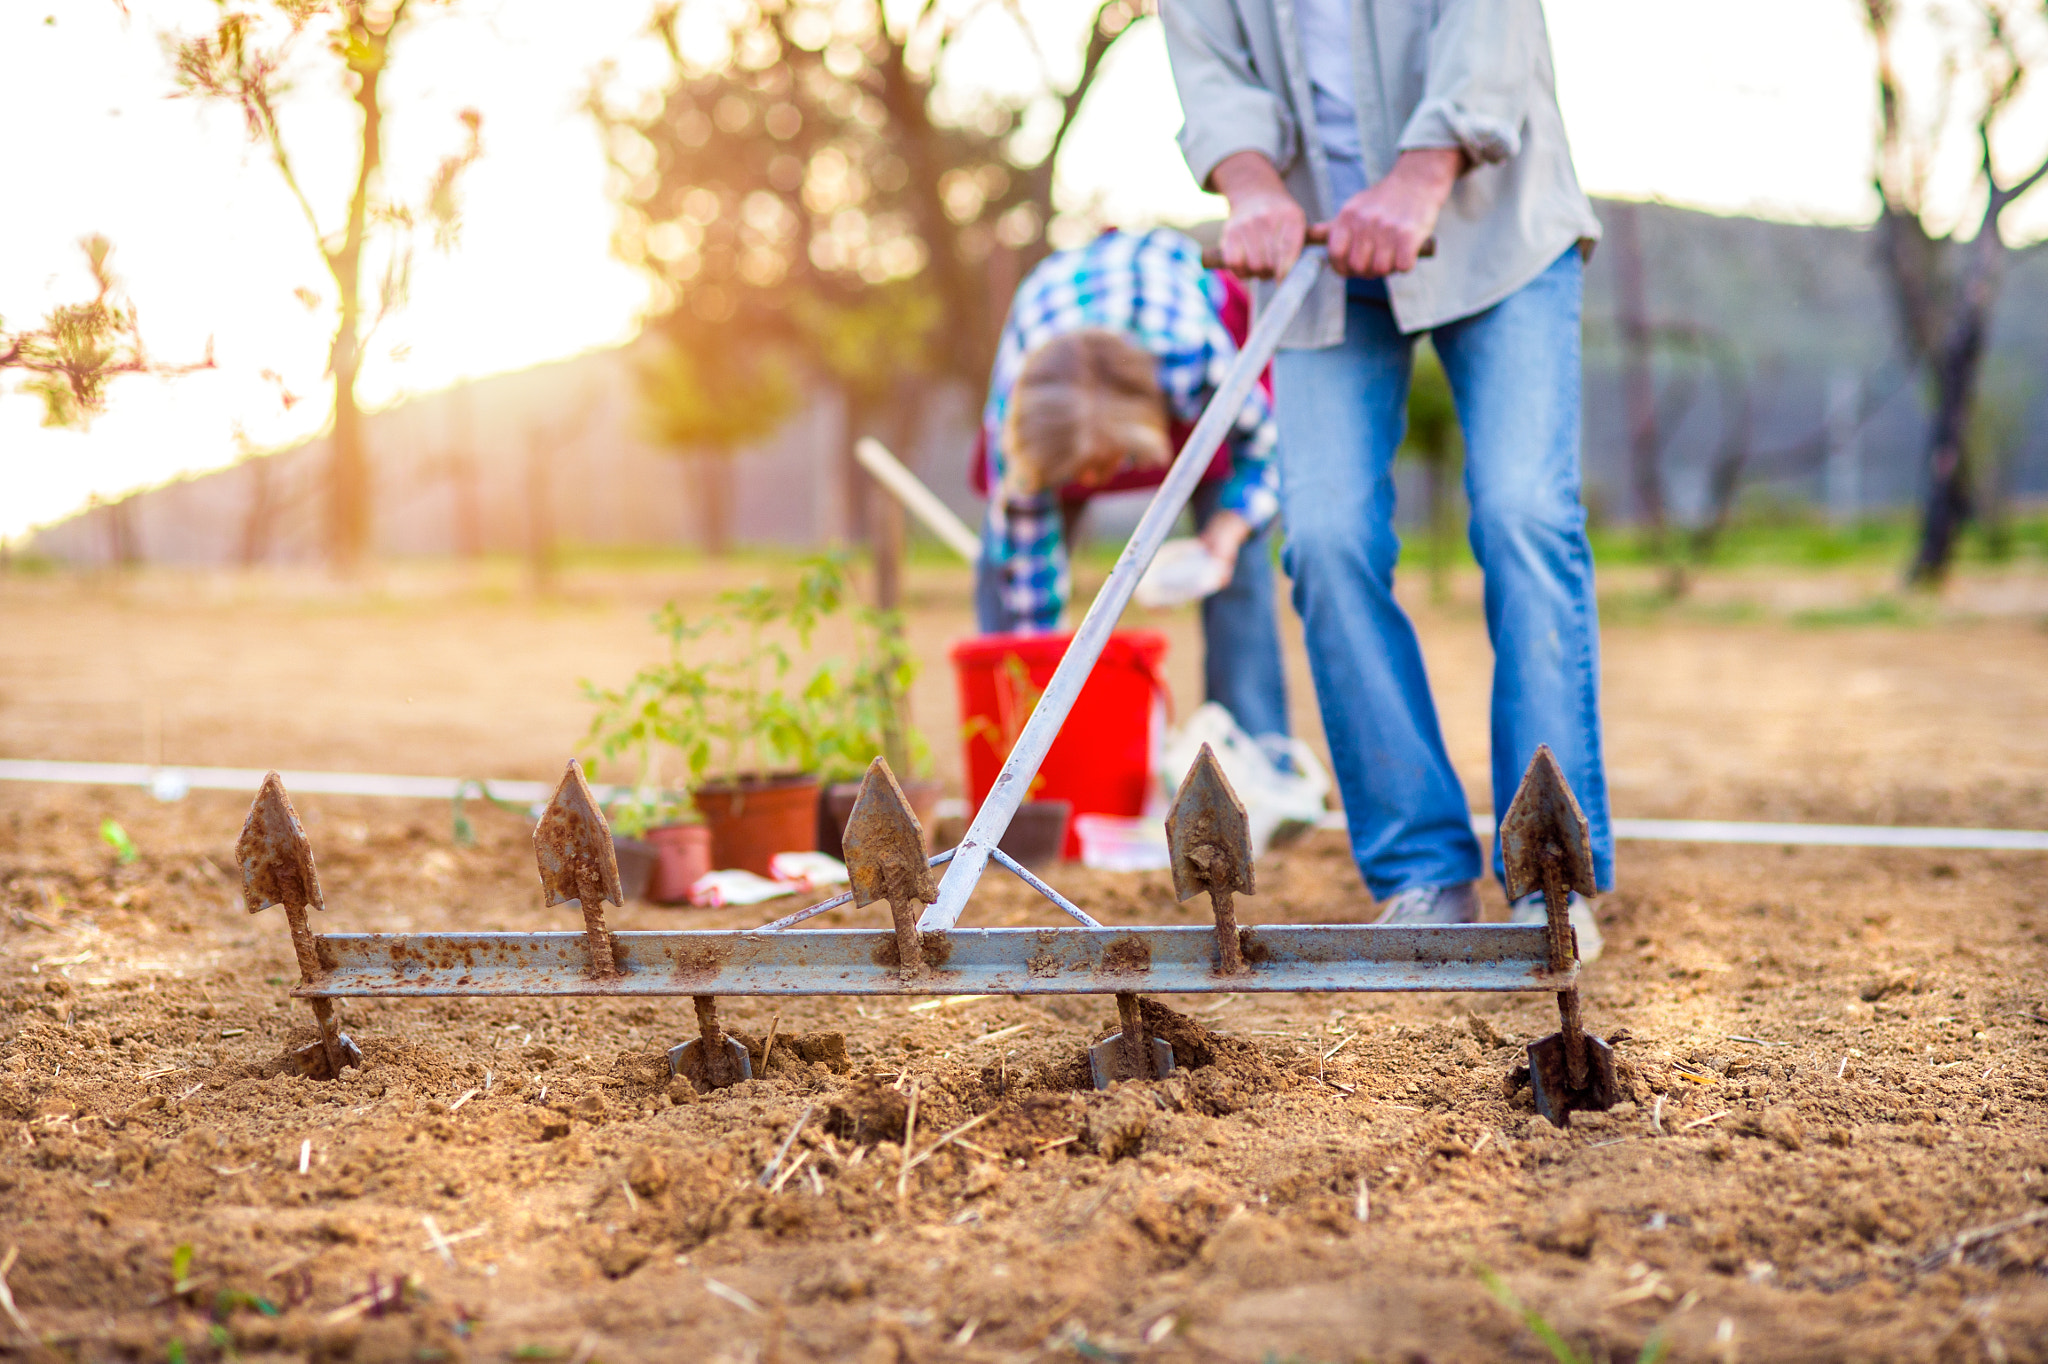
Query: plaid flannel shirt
(1150, 286)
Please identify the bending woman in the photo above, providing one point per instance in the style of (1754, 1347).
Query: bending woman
(1109, 355)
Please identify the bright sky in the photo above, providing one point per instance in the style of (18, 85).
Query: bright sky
(1750, 106)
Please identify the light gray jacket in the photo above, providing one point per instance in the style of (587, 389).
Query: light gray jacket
(1473, 74)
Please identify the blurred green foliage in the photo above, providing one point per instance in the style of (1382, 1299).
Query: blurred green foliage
(741, 694)
(1437, 443)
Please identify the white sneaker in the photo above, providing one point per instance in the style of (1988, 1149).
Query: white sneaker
(1452, 904)
(1531, 909)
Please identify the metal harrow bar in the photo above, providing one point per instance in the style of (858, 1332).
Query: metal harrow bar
(1208, 838)
(924, 951)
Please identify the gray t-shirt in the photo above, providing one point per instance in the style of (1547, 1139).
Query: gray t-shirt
(1326, 49)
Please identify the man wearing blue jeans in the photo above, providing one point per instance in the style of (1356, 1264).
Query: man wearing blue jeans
(1395, 123)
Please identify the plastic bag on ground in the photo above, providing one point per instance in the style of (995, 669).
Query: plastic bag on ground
(808, 870)
(736, 887)
(1122, 842)
(792, 872)
(1279, 779)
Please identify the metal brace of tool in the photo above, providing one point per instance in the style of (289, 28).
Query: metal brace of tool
(925, 952)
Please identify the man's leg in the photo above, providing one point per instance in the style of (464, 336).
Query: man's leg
(1514, 370)
(1241, 667)
(1341, 414)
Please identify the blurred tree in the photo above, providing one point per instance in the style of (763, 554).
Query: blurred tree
(1945, 288)
(1674, 367)
(1998, 429)
(82, 347)
(1435, 442)
(814, 200)
(245, 62)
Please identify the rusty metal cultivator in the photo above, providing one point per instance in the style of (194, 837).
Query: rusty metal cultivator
(924, 951)
(1210, 847)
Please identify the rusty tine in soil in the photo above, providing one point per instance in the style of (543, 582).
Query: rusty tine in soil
(1209, 842)
(1130, 1053)
(277, 869)
(885, 861)
(711, 1059)
(1545, 846)
(1132, 1016)
(573, 845)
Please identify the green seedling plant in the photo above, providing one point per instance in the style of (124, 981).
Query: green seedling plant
(181, 1269)
(464, 831)
(731, 701)
(1023, 697)
(1654, 1349)
(116, 837)
(644, 809)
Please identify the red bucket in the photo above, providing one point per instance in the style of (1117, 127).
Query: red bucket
(1105, 754)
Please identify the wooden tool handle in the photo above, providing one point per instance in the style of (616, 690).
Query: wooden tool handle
(1318, 235)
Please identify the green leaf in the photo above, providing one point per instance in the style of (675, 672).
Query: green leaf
(117, 838)
(181, 1263)
(1561, 1351)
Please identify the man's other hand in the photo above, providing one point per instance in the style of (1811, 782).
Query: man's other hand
(1380, 230)
(1264, 233)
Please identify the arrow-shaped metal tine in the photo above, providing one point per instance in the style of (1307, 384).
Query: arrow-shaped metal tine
(885, 859)
(1209, 843)
(277, 869)
(1014, 780)
(572, 845)
(1545, 845)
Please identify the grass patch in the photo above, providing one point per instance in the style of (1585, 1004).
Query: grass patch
(1649, 607)
(1875, 611)
(1654, 1349)
(1770, 537)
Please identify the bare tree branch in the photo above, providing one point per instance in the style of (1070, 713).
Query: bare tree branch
(2021, 185)
(82, 347)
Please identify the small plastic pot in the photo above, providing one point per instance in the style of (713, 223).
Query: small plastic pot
(1037, 836)
(682, 856)
(754, 818)
(637, 858)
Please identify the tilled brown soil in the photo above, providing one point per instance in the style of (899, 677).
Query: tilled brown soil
(1834, 1146)
(1838, 1061)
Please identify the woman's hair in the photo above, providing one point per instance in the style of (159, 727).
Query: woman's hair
(1082, 395)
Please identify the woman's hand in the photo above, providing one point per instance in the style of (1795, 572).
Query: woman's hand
(1266, 228)
(1223, 537)
(1380, 230)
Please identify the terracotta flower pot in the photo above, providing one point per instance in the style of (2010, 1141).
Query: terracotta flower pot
(682, 854)
(755, 818)
(835, 807)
